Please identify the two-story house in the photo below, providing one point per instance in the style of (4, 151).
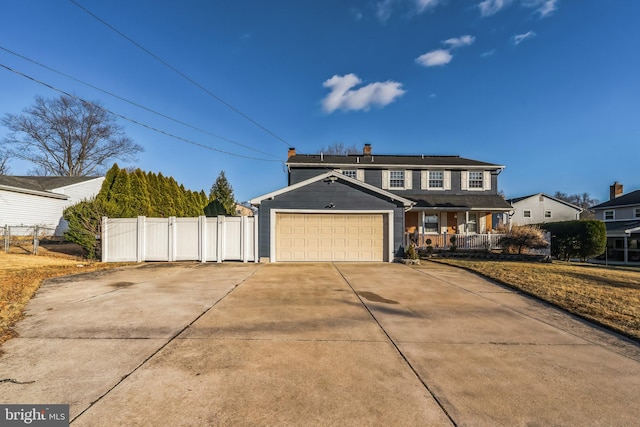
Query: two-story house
(366, 207)
(621, 215)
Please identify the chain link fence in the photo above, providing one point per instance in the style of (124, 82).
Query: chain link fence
(21, 239)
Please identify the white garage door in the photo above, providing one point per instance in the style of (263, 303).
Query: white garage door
(330, 237)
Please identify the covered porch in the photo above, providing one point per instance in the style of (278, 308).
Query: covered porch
(473, 218)
(472, 229)
(623, 242)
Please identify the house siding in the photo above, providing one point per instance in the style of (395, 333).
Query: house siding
(317, 196)
(559, 211)
(18, 209)
(622, 213)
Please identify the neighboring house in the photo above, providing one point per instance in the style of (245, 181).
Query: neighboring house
(621, 216)
(40, 200)
(368, 208)
(540, 208)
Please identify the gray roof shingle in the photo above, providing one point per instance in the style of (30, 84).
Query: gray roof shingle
(42, 183)
(632, 198)
(462, 202)
(385, 160)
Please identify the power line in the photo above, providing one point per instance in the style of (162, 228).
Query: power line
(180, 73)
(135, 103)
(133, 120)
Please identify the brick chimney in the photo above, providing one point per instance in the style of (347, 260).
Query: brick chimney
(615, 190)
(366, 151)
(292, 152)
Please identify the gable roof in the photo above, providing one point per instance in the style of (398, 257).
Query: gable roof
(41, 185)
(333, 175)
(628, 199)
(379, 161)
(564, 202)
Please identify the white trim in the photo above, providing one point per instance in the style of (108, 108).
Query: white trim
(406, 202)
(34, 192)
(487, 180)
(360, 174)
(274, 211)
(447, 180)
(464, 180)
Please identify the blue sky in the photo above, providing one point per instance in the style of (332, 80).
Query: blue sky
(548, 88)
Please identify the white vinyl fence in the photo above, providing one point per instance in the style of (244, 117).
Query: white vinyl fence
(180, 239)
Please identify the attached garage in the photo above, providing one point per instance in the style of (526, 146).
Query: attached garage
(331, 236)
(330, 217)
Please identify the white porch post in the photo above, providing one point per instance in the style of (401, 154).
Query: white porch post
(422, 228)
(466, 223)
(626, 249)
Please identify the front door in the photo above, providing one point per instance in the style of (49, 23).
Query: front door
(452, 223)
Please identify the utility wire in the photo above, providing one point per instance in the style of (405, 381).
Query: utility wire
(180, 73)
(133, 120)
(135, 103)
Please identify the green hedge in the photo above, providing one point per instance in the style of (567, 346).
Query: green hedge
(576, 239)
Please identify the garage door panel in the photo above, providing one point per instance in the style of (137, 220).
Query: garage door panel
(330, 237)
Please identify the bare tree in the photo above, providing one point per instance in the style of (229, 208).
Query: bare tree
(339, 149)
(67, 136)
(4, 163)
(583, 200)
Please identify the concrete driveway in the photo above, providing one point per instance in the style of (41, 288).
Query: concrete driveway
(313, 344)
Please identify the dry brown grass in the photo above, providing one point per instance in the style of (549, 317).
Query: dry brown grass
(22, 275)
(608, 296)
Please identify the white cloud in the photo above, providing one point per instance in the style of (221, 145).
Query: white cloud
(343, 96)
(519, 38)
(435, 58)
(543, 7)
(491, 7)
(460, 41)
(383, 10)
(423, 5)
(488, 53)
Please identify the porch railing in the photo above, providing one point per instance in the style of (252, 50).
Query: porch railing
(462, 241)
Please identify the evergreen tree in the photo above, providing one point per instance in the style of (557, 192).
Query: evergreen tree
(221, 190)
(120, 200)
(107, 184)
(140, 201)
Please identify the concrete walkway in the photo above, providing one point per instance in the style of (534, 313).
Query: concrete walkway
(313, 344)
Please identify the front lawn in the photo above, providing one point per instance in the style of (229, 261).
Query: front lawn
(609, 296)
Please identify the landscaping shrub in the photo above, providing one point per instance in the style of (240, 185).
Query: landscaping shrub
(522, 237)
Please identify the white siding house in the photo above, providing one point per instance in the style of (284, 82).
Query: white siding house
(39, 200)
(540, 208)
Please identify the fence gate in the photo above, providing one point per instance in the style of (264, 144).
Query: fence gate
(180, 239)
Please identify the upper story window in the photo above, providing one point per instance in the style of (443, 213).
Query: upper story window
(526, 213)
(436, 179)
(547, 214)
(637, 212)
(396, 179)
(351, 173)
(609, 215)
(475, 180)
